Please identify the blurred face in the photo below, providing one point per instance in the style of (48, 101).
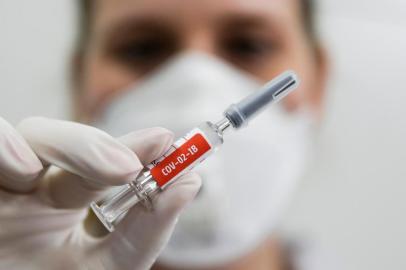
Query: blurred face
(129, 39)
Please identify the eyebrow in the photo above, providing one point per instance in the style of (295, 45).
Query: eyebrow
(155, 24)
(252, 22)
(245, 21)
(137, 24)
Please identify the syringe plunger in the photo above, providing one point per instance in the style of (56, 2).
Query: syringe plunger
(239, 114)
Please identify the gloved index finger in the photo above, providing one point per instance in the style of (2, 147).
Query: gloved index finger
(86, 160)
(91, 159)
(80, 149)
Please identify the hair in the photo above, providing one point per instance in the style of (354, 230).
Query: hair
(86, 8)
(85, 19)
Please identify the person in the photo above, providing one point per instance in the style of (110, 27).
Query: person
(164, 63)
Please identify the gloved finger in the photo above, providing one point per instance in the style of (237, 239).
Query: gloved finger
(148, 144)
(71, 191)
(19, 166)
(89, 160)
(141, 235)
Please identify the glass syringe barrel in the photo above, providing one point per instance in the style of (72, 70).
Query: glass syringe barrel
(188, 151)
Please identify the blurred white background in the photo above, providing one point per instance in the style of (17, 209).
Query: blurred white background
(35, 41)
(353, 201)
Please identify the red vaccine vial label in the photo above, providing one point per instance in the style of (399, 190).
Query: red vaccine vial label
(191, 150)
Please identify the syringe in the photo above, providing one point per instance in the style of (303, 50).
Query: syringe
(188, 151)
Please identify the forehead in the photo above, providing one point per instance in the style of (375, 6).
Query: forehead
(110, 12)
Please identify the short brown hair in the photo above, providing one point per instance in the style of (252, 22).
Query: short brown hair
(86, 10)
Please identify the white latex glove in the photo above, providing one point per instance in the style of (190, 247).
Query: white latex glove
(51, 170)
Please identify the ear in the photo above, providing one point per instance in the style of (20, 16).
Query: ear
(322, 70)
(76, 76)
(313, 97)
(76, 67)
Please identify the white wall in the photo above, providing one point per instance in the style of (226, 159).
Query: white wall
(35, 39)
(354, 200)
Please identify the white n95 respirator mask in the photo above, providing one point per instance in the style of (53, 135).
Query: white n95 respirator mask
(246, 184)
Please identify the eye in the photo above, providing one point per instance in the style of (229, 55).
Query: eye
(143, 52)
(247, 48)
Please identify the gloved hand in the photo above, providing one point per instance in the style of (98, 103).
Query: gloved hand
(51, 170)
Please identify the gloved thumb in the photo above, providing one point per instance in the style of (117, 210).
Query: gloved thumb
(141, 235)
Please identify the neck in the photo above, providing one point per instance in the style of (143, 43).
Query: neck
(268, 256)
